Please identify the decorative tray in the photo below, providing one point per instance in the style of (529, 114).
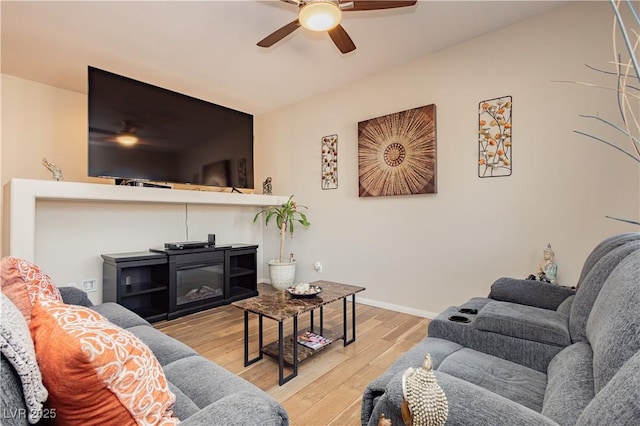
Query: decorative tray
(304, 290)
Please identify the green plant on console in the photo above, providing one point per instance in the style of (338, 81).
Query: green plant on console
(286, 215)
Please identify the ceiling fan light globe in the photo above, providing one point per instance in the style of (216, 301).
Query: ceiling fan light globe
(320, 16)
(127, 139)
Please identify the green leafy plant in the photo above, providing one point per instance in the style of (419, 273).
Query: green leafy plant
(286, 215)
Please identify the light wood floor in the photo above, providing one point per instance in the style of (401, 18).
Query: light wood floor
(329, 385)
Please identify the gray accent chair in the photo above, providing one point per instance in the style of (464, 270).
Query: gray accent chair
(594, 381)
(206, 393)
(530, 322)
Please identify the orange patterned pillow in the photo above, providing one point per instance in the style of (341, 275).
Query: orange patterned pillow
(23, 282)
(97, 373)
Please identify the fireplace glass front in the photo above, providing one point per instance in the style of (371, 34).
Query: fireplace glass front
(196, 283)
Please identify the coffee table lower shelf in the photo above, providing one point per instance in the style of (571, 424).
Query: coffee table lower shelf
(304, 352)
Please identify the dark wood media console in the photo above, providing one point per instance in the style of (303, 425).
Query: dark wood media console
(164, 284)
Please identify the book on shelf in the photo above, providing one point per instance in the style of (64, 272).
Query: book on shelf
(313, 340)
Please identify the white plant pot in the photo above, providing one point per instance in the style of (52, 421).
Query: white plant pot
(282, 274)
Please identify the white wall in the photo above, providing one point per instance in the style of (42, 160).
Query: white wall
(417, 253)
(71, 236)
(426, 252)
(42, 121)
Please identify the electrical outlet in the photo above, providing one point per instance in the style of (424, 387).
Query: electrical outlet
(317, 266)
(90, 285)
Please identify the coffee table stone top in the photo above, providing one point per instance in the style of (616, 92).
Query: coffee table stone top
(280, 305)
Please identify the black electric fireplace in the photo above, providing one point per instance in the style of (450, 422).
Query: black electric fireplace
(196, 280)
(165, 283)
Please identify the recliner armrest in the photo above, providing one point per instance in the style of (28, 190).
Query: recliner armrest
(529, 292)
(524, 322)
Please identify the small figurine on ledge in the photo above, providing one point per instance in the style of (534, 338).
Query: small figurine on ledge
(266, 186)
(548, 269)
(55, 170)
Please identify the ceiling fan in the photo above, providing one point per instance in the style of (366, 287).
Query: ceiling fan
(325, 15)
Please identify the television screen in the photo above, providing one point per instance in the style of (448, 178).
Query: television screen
(141, 132)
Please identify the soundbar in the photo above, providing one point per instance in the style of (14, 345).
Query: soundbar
(186, 245)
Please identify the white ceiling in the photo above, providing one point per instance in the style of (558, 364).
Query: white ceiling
(207, 49)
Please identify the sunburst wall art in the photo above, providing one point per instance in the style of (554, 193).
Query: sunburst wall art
(397, 153)
(494, 141)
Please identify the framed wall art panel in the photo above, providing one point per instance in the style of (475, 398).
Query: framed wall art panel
(397, 153)
(494, 141)
(329, 162)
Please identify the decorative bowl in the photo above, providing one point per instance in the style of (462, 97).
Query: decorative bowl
(302, 291)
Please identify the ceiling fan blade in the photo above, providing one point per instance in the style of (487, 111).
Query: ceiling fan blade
(341, 39)
(379, 4)
(278, 35)
(102, 131)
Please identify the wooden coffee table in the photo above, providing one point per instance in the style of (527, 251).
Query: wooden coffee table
(280, 306)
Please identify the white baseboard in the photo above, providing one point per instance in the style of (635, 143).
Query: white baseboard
(396, 308)
(385, 305)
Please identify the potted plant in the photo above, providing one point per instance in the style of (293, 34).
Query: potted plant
(282, 271)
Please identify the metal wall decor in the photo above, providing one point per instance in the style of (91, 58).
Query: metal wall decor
(494, 140)
(397, 153)
(330, 162)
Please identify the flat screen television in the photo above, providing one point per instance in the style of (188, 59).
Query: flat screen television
(141, 132)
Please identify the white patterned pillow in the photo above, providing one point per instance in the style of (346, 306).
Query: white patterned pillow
(17, 347)
(23, 282)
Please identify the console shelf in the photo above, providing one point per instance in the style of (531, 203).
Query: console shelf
(238, 272)
(142, 288)
(238, 293)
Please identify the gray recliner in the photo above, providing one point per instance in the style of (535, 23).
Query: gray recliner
(508, 324)
(594, 381)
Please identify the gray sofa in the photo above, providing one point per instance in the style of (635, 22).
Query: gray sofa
(594, 380)
(205, 392)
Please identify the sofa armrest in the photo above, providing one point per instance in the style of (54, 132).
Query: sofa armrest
(74, 296)
(240, 409)
(529, 292)
(469, 404)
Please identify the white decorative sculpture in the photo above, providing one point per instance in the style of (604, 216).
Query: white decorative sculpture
(425, 403)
